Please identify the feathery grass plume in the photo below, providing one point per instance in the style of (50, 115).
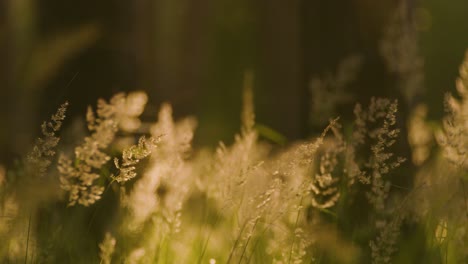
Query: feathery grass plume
(252, 216)
(78, 176)
(454, 138)
(441, 197)
(40, 158)
(446, 195)
(324, 188)
(358, 139)
(236, 181)
(241, 186)
(298, 249)
(294, 164)
(344, 153)
(9, 209)
(400, 49)
(26, 189)
(376, 127)
(291, 240)
(384, 246)
(154, 204)
(420, 135)
(107, 248)
(234, 164)
(8, 206)
(166, 181)
(134, 106)
(288, 222)
(329, 91)
(132, 156)
(288, 242)
(440, 232)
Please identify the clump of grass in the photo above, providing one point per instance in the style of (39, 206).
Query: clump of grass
(328, 199)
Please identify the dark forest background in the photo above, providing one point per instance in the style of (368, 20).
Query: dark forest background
(194, 54)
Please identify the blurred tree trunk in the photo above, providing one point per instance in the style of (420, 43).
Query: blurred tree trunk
(280, 64)
(194, 56)
(140, 42)
(168, 40)
(19, 104)
(4, 80)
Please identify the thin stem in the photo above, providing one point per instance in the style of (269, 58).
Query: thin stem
(97, 207)
(464, 196)
(205, 245)
(295, 226)
(248, 240)
(27, 239)
(235, 244)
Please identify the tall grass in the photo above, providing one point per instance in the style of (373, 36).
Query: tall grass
(330, 199)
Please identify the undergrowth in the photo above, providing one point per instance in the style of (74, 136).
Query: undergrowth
(136, 192)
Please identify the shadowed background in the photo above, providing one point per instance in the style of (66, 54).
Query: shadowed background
(193, 54)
